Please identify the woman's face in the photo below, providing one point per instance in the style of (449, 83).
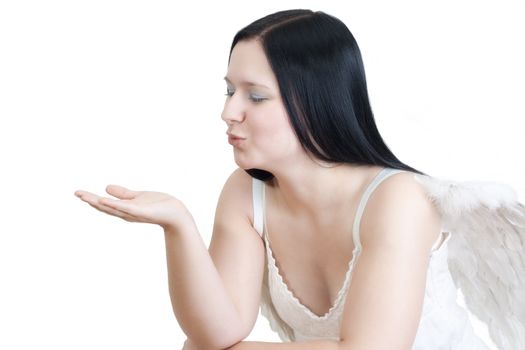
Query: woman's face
(254, 110)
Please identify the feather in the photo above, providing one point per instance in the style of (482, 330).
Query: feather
(486, 252)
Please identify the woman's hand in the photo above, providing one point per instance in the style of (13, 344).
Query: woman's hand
(140, 206)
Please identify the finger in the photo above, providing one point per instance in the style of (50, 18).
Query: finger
(79, 193)
(95, 202)
(111, 211)
(121, 205)
(121, 192)
(85, 195)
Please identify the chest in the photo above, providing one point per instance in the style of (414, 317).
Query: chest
(312, 259)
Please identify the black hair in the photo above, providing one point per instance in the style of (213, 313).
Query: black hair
(321, 77)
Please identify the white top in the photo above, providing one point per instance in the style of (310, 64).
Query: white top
(444, 323)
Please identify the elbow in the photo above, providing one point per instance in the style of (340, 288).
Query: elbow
(218, 341)
(224, 344)
(226, 341)
(203, 344)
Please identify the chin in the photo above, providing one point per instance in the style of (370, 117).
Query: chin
(242, 164)
(246, 164)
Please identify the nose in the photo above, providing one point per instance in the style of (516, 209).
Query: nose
(233, 111)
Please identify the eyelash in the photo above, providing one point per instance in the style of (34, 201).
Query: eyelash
(254, 99)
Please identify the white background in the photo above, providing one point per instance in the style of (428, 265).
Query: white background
(130, 92)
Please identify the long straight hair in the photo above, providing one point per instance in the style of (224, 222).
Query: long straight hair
(321, 77)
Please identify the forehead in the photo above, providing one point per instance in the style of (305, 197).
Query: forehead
(248, 63)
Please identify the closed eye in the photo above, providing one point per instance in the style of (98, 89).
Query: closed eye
(257, 99)
(254, 98)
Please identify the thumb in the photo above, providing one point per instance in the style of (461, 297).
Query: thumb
(121, 192)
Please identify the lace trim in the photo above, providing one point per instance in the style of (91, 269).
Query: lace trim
(288, 292)
(284, 286)
(285, 332)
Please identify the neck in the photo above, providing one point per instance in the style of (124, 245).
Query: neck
(306, 188)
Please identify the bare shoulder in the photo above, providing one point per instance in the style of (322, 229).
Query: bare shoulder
(237, 192)
(399, 212)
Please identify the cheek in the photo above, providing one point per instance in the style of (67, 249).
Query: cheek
(273, 130)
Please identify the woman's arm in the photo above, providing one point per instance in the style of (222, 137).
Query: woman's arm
(215, 295)
(203, 309)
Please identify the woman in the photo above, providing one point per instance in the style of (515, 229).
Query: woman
(321, 225)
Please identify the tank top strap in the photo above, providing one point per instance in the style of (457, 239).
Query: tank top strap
(258, 203)
(382, 175)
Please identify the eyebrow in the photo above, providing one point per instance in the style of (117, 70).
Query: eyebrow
(249, 83)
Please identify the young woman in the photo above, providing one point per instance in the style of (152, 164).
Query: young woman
(321, 226)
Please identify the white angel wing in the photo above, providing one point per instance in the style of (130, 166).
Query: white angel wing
(486, 254)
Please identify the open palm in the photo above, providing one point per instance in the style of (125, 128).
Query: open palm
(139, 206)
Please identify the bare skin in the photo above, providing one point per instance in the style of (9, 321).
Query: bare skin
(313, 251)
(139, 206)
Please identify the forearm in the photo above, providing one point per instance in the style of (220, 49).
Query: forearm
(203, 309)
(302, 345)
